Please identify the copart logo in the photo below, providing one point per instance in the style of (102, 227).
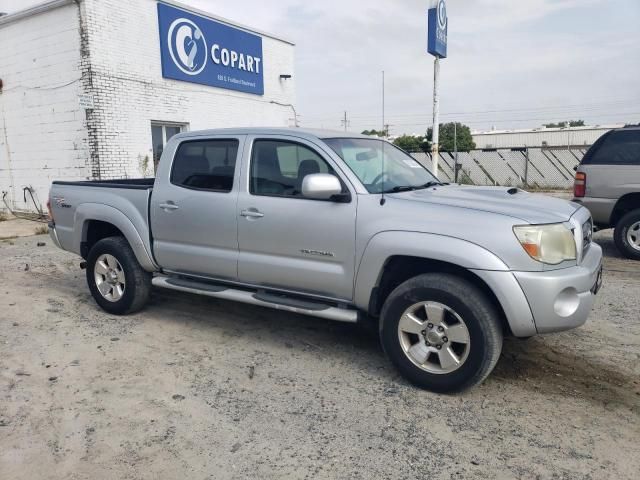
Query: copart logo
(442, 15)
(187, 46)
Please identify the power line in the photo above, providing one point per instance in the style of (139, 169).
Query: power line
(555, 108)
(426, 122)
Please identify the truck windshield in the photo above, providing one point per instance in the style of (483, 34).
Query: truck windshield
(381, 166)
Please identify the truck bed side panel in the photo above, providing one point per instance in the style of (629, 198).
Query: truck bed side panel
(74, 204)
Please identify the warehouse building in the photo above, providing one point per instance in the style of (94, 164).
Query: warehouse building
(567, 137)
(93, 89)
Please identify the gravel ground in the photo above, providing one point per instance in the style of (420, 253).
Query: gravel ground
(198, 388)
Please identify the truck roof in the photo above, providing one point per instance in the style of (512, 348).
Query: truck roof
(309, 133)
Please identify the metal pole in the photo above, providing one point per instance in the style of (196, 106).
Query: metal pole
(526, 167)
(436, 114)
(455, 151)
(383, 102)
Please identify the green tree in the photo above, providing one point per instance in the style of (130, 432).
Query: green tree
(373, 132)
(570, 123)
(410, 143)
(446, 140)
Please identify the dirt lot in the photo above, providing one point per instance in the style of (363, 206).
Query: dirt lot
(197, 388)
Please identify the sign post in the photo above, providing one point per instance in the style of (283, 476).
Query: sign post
(437, 46)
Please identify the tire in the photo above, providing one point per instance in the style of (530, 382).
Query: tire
(113, 268)
(627, 235)
(460, 302)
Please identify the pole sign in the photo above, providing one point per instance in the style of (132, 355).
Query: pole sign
(438, 25)
(201, 50)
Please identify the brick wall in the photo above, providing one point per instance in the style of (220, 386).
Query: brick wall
(42, 132)
(109, 49)
(130, 93)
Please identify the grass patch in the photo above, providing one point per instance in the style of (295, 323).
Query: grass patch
(3, 217)
(42, 230)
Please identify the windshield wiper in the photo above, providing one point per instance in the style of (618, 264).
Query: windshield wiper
(409, 188)
(431, 183)
(400, 188)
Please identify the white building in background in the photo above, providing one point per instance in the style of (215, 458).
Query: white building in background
(93, 89)
(575, 137)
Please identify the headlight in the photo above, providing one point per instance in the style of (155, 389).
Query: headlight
(551, 244)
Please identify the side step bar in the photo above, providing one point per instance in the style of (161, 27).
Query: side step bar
(263, 299)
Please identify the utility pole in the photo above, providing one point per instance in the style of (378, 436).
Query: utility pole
(386, 130)
(383, 100)
(345, 121)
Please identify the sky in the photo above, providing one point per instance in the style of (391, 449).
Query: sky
(511, 63)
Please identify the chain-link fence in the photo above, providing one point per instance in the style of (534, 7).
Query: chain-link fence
(533, 168)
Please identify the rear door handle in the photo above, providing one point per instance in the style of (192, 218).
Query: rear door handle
(251, 213)
(169, 206)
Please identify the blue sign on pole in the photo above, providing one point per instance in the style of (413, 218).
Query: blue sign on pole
(438, 25)
(200, 50)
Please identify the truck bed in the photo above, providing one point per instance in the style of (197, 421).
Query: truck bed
(120, 202)
(132, 183)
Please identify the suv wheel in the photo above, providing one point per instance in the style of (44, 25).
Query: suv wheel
(441, 332)
(116, 280)
(627, 235)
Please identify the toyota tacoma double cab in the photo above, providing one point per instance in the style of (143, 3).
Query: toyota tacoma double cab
(342, 227)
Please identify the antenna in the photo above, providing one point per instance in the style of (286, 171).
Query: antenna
(382, 199)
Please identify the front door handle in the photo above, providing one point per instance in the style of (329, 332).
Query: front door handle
(169, 206)
(251, 213)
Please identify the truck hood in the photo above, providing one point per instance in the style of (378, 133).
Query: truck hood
(525, 206)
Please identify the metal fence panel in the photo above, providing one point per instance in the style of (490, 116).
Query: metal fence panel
(529, 168)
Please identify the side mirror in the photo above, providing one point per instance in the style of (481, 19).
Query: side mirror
(321, 186)
(575, 169)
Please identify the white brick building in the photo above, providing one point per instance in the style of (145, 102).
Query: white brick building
(83, 94)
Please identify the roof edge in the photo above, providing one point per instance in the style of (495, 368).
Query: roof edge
(205, 14)
(35, 10)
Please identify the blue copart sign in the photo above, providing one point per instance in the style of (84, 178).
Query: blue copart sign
(197, 49)
(438, 25)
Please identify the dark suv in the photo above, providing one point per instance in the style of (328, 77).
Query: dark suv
(608, 184)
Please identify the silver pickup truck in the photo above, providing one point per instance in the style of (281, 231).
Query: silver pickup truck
(343, 227)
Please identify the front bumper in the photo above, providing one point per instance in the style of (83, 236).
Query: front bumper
(562, 299)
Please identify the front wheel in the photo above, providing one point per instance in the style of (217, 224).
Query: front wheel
(441, 332)
(627, 235)
(117, 281)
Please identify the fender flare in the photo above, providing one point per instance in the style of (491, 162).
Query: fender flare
(462, 253)
(87, 212)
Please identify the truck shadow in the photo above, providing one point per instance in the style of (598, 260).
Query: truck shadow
(534, 365)
(539, 366)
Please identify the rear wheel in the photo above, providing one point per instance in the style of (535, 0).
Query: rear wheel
(441, 332)
(627, 235)
(116, 280)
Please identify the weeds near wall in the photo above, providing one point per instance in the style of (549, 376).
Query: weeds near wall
(143, 165)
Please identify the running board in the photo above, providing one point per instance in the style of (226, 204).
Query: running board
(263, 299)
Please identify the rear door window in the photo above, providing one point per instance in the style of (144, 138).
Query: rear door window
(618, 148)
(205, 165)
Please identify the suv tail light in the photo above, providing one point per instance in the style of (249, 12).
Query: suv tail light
(580, 185)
